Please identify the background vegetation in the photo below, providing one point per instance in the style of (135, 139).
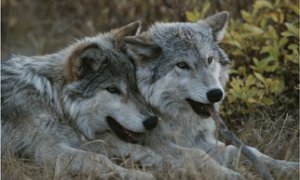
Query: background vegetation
(262, 103)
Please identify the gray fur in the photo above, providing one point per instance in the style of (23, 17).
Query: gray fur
(185, 137)
(53, 104)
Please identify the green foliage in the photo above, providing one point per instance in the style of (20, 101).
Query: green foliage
(264, 48)
(195, 15)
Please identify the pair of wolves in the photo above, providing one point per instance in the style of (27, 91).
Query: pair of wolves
(53, 105)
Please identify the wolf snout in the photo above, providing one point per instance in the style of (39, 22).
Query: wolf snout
(150, 122)
(214, 95)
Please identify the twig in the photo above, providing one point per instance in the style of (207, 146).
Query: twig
(232, 139)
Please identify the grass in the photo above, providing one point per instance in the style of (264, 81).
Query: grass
(276, 137)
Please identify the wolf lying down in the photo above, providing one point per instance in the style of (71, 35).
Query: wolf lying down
(181, 70)
(53, 104)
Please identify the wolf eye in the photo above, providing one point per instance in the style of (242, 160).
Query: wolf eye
(210, 59)
(113, 90)
(183, 65)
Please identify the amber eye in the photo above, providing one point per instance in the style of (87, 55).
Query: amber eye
(113, 90)
(210, 59)
(183, 65)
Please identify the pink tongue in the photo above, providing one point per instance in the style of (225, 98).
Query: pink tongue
(210, 108)
(132, 136)
(136, 138)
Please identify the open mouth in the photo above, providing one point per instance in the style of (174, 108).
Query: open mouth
(123, 133)
(199, 108)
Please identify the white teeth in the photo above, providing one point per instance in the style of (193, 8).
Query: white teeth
(203, 108)
(129, 134)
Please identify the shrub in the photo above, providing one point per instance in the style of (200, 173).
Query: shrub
(264, 47)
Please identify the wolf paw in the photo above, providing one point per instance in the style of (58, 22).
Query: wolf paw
(151, 160)
(233, 175)
(137, 175)
(286, 169)
(236, 176)
(285, 166)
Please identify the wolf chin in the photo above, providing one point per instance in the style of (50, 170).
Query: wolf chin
(53, 104)
(180, 69)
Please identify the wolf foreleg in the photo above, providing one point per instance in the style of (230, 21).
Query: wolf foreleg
(70, 160)
(274, 164)
(189, 159)
(113, 146)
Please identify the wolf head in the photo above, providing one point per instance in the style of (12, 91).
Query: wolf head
(101, 92)
(180, 66)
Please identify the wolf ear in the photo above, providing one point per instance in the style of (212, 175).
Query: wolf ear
(217, 23)
(127, 30)
(83, 60)
(142, 47)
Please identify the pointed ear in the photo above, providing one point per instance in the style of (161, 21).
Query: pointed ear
(218, 23)
(127, 30)
(83, 60)
(142, 47)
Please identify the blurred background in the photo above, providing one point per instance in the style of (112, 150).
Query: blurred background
(37, 27)
(262, 40)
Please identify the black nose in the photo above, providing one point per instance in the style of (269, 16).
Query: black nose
(215, 95)
(150, 123)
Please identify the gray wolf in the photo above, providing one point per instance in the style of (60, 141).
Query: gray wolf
(53, 104)
(180, 68)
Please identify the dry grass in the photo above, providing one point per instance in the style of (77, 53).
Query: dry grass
(278, 138)
(24, 169)
(41, 27)
(275, 136)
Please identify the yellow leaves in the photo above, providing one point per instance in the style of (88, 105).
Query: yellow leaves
(234, 43)
(295, 9)
(262, 4)
(253, 29)
(249, 92)
(251, 100)
(236, 84)
(272, 33)
(276, 85)
(277, 16)
(247, 16)
(282, 42)
(195, 15)
(292, 28)
(259, 76)
(266, 101)
(292, 31)
(250, 81)
(294, 55)
(255, 89)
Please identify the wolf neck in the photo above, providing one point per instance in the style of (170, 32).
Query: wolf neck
(45, 74)
(49, 66)
(185, 131)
